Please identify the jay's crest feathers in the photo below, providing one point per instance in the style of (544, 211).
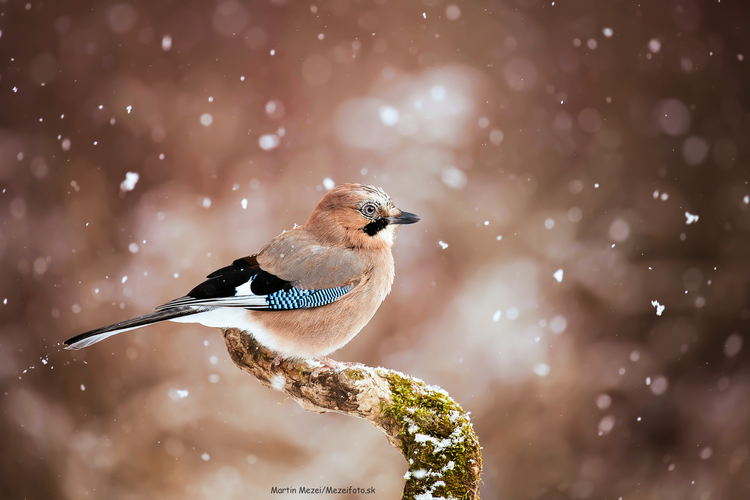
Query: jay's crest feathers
(308, 291)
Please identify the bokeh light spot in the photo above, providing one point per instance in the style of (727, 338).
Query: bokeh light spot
(437, 92)
(388, 115)
(673, 116)
(452, 12)
(733, 345)
(121, 18)
(520, 74)
(268, 142)
(619, 230)
(316, 70)
(453, 177)
(558, 324)
(694, 150)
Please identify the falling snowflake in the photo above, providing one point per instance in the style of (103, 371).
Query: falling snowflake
(131, 179)
(691, 218)
(659, 308)
(558, 275)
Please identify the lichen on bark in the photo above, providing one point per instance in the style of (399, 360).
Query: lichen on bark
(432, 431)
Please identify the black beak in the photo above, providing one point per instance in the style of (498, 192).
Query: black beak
(404, 218)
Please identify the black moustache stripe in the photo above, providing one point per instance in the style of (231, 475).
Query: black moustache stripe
(375, 226)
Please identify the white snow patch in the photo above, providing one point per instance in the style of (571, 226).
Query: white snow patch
(244, 203)
(558, 275)
(278, 382)
(420, 474)
(443, 244)
(659, 308)
(314, 363)
(439, 445)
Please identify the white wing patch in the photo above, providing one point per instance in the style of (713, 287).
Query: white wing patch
(244, 289)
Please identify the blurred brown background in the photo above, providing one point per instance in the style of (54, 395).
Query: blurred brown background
(531, 136)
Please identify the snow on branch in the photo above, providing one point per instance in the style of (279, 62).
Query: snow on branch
(432, 431)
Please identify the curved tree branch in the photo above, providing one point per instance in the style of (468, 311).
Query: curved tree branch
(432, 431)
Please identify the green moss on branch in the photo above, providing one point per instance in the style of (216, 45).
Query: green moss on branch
(432, 431)
(437, 440)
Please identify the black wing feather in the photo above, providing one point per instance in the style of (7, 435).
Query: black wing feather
(223, 283)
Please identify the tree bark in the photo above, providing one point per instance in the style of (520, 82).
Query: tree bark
(432, 431)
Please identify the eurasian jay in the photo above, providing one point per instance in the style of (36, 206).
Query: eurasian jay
(308, 292)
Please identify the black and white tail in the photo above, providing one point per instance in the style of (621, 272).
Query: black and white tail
(88, 338)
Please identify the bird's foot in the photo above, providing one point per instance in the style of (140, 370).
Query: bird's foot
(327, 364)
(276, 362)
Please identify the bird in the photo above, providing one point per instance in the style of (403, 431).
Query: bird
(307, 292)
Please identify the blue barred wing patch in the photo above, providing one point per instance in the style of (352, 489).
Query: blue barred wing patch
(244, 284)
(294, 298)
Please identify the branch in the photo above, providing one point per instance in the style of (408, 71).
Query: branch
(432, 431)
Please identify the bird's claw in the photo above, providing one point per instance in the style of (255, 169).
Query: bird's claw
(276, 362)
(327, 364)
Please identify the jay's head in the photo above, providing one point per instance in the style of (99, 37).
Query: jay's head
(359, 215)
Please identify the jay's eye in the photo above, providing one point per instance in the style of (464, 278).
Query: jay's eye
(369, 210)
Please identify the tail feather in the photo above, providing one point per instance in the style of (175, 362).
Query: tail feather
(92, 337)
